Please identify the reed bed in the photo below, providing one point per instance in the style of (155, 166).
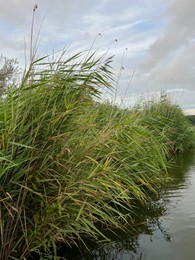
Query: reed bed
(71, 164)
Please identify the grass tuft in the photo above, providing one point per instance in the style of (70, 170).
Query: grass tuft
(70, 165)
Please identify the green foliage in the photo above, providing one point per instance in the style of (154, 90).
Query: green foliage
(69, 164)
(191, 119)
(8, 70)
(168, 120)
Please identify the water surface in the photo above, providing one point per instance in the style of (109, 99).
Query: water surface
(164, 230)
(169, 223)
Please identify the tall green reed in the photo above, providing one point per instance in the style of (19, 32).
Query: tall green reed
(70, 164)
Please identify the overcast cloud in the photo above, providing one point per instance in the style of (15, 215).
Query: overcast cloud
(171, 58)
(155, 39)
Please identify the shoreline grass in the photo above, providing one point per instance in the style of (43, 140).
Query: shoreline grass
(69, 162)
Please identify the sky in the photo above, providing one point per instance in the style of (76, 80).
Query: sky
(153, 41)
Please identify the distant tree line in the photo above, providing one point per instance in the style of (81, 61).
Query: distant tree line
(191, 119)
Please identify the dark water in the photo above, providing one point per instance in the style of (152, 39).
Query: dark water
(167, 229)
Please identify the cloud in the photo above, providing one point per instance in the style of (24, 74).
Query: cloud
(76, 22)
(189, 112)
(15, 13)
(179, 71)
(158, 35)
(170, 62)
(178, 33)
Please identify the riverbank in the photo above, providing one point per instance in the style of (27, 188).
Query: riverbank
(165, 228)
(71, 165)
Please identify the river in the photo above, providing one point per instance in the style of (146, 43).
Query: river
(167, 229)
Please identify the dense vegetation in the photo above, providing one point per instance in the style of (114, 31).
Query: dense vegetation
(191, 119)
(70, 164)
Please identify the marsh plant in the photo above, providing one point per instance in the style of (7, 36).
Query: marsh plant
(71, 164)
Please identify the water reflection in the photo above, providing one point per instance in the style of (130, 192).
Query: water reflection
(165, 229)
(124, 245)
